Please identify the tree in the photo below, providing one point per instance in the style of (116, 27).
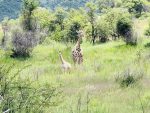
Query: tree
(135, 6)
(27, 36)
(91, 9)
(107, 24)
(28, 7)
(105, 4)
(75, 21)
(72, 34)
(125, 29)
(103, 30)
(60, 16)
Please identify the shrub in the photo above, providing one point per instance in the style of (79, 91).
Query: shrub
(103, 31)
(135, 6)
(58, 35)
(106, 4)
(23, 43)
(72, 33)
(125, 29)
(124, 25)
(129, 78)
(147, 31)
(76, 20)
(43, 16)
(107, 24)
(18, 95)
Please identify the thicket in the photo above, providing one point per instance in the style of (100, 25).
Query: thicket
(23, 95)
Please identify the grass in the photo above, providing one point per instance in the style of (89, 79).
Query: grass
(91, 87)
(96, 76)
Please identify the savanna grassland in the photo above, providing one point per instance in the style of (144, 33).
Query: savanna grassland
(92, 87)
(114, 76)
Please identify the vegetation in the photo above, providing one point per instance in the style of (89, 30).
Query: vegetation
(114, 76)
(22, 97)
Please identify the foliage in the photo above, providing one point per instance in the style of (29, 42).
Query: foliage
(58, 35)
(72, 34)
(76, 20)
(105, 4)
(22, 95)
(91, 10)
(12, 9)
(107, 24)
(42, 17)
(60, 16)
(128, 78)
(67, 4)
(96, 73)
(23, 43)
(103, 30)
(9, 8)
(125, 29)
(137, 6)
(124, 25)
(27, 10)
(147, 31)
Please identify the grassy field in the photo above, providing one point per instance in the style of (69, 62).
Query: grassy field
(96, 77)
(92, 87)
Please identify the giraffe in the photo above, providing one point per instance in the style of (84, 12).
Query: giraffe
(65, 65)
(77, 54)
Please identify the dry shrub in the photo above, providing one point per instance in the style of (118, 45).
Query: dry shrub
(23, 43)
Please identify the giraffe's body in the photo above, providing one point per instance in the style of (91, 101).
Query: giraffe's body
(77, 54)
(65, 65)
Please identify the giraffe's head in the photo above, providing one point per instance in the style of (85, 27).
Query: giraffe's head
(80, 36)
(80, 33)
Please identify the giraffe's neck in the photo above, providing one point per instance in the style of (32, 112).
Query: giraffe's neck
(78, 43)
(61, 58)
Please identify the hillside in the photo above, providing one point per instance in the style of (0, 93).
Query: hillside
(11, 8)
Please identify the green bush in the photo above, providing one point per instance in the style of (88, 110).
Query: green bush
(72, 33)
(147, 31)
(124, 25)
(136, 6)
(107, 23)
(125, 29)
(58, 34)
(22, 95)
(129, 77)
(76, 20)
(103, 30)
